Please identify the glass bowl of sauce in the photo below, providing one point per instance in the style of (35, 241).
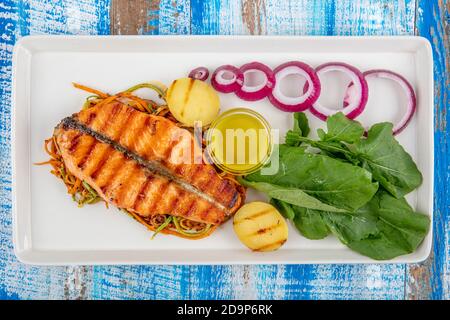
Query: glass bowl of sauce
(239, 141)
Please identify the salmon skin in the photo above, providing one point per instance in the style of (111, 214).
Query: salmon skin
(145, 164)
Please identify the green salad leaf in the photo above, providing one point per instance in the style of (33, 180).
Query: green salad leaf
(340, 128)
(379, 153)
(333, 182)
(301, 128)
(400, 230)
(310, 223)
(289, 195)
(389, 163)
(284, 208)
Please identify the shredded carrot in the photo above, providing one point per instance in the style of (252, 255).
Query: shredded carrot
(169, 231)
(75, 187)
(94, 91)
(106, 101)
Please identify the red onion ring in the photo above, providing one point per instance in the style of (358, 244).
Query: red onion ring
(355, 105)
(406, 86)
(227, 85)
(200, 73)
(258, 92)
(310, 95)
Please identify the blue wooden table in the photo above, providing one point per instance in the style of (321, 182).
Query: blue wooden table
(428, 18)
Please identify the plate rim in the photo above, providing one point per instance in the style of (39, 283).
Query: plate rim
(23, 254)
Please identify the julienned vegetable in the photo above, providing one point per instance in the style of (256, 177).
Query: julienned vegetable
(260, 226)
(404, 84)
(377, 221)
(360, 92)
(259, 91)
(191, 100)
(305, 100)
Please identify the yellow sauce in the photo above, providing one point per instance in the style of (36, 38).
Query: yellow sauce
(239, 141)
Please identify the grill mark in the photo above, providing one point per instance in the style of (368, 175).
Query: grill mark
(108, 151)
(129, 115)
(91, 118)
(179, 169)
(187, 95)
(103, 160)
(172, 144)
(264, 230)
(82, 163)
(174, 83)
(74, 142)
(141, 194)
(111, 116)
(196, 172)
(160, 192)
(191, 208)
(122, 186)
(117, 170)
(139, 133)
(234, 200)
(208, 183)
(205, 212)
(255, 215)
(174, 203)
(155, 167)
(114, 171)
(228, 195)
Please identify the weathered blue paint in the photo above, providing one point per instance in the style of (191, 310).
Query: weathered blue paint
(140, 282)
(169, 17)
(20, 18)
(432, 21)
(340, 17)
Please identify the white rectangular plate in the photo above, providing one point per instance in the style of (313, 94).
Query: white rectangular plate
(50, 229)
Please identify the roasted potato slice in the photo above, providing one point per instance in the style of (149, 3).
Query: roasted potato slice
(191, 100)
(260, 226)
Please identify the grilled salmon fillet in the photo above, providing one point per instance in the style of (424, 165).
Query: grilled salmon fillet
(145, 164)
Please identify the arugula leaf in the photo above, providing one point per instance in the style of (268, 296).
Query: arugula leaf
(284, 208)
(290, 195)
(389, 163)
(301, 124)
(399, 230)
(380, 153)
(310, 223)
(340, 128)
(301, 128)
(333, 182)
(353, 226)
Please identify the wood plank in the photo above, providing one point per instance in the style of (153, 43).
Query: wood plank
(141, 282)
(20, 18)
(431, 279)
(150, 17)
(374, 17)
(133, 17)
(303, 17)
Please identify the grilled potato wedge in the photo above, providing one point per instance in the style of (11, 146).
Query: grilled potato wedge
(191, 100)
(260, 226)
